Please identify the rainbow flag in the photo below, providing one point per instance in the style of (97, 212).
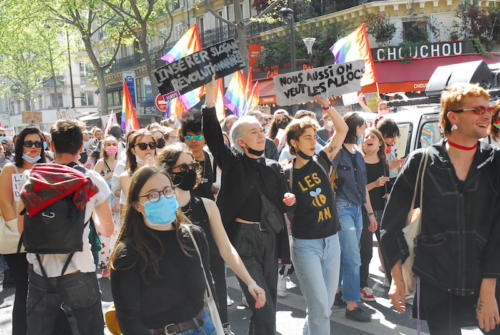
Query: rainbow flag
(496, 123)
(353, 47)
(129, 118)
(253, 99)
(235, 97)
(219, 100)
(189, 43)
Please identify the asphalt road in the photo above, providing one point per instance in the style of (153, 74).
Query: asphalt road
(291, 311)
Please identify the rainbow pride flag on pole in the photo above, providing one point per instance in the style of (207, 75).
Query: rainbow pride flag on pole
(219, 100)
(353, 47)
(129, 117)
(189, 43)
(253, 98)
(235, 98)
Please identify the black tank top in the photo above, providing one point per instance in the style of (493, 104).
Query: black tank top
(196, 212)
(204, 189)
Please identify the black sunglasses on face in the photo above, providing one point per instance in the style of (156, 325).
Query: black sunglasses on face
(144, 146)
(29, 144)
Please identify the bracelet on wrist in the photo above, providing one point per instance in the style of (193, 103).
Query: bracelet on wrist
(371, 213)
(325, 108)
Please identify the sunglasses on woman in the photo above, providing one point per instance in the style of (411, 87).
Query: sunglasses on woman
(186, 167)
(29, 144)
(191, 137)
(144, 146)
(479, 110)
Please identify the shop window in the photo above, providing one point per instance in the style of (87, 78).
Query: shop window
(415, 31)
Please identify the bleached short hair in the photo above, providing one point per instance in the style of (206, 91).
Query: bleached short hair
(239, 128)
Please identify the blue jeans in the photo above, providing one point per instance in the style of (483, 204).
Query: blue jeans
(208, 327)
(351, 223)
(78, 292)
(317, 265)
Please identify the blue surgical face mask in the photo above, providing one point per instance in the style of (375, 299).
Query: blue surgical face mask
(30, 159)
(45, 146)
(161, 212)
(2, 138)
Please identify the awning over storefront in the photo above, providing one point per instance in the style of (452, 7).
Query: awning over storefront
(394, 76)
(401, 76)
(267, 92)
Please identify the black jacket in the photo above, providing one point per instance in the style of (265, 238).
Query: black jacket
(460, 239)
(240, 176)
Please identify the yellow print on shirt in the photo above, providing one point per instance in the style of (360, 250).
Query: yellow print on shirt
(309, 184)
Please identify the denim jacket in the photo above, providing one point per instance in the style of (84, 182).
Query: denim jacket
(459, 243)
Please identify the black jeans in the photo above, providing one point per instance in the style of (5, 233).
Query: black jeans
(446, 313)
(78, 292)
(218, 270)
(19, 268)
(257, 250)
(366, 247)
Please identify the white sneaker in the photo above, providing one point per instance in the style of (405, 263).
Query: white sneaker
(228, 331)
(230, 301)
(244, 301)
(386, 283)
(282, 293)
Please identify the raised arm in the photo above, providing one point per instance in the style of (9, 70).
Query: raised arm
(212, 131)
(335, 143)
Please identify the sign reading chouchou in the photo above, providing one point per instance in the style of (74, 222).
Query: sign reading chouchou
(197, 69)
(327, 81)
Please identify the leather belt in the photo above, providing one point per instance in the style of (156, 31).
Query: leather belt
(180, 327)
(245, 221)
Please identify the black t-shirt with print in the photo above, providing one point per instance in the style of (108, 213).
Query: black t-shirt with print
(315, 216)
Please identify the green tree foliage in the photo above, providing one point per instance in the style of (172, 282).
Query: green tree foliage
(379, 26)
(29, 52)
(277, 51)
(140, 17)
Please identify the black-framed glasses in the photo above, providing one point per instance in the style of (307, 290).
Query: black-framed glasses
(478, 110)
(143, 146)
(186, 167)
(154, 196)
(194, 137)
(29, 144)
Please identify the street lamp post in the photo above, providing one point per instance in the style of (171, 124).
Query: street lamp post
(287, 13)
(70, 73)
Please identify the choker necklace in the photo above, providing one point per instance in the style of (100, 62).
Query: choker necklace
(461, 147)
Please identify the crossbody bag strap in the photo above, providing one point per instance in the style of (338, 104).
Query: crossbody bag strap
(209, 290)
(422, 175)
(418, 181)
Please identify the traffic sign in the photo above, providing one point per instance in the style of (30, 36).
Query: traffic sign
(160, 103)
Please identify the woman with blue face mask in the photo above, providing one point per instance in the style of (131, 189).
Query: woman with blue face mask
(28, 151)
(186, 174)
(156, 279)
(352, 195)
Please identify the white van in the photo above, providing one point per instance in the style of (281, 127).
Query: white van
(418, 127)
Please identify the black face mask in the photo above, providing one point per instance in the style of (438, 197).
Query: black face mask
(160, 143)
(185, 180)
(255, 152)
(303, 155)
(281, 124)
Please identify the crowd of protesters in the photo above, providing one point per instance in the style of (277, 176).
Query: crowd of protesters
(174, 202)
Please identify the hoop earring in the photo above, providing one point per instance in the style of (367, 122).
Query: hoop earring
(454, 127)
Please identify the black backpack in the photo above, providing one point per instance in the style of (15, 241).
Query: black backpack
(57, 229)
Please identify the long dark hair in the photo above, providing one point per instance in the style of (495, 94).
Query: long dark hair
(381, 150)
(135, 234)
(353, 121)
(131, 141)
(273, 130)
(19, 145)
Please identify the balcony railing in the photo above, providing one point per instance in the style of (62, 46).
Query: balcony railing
(212, 36)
